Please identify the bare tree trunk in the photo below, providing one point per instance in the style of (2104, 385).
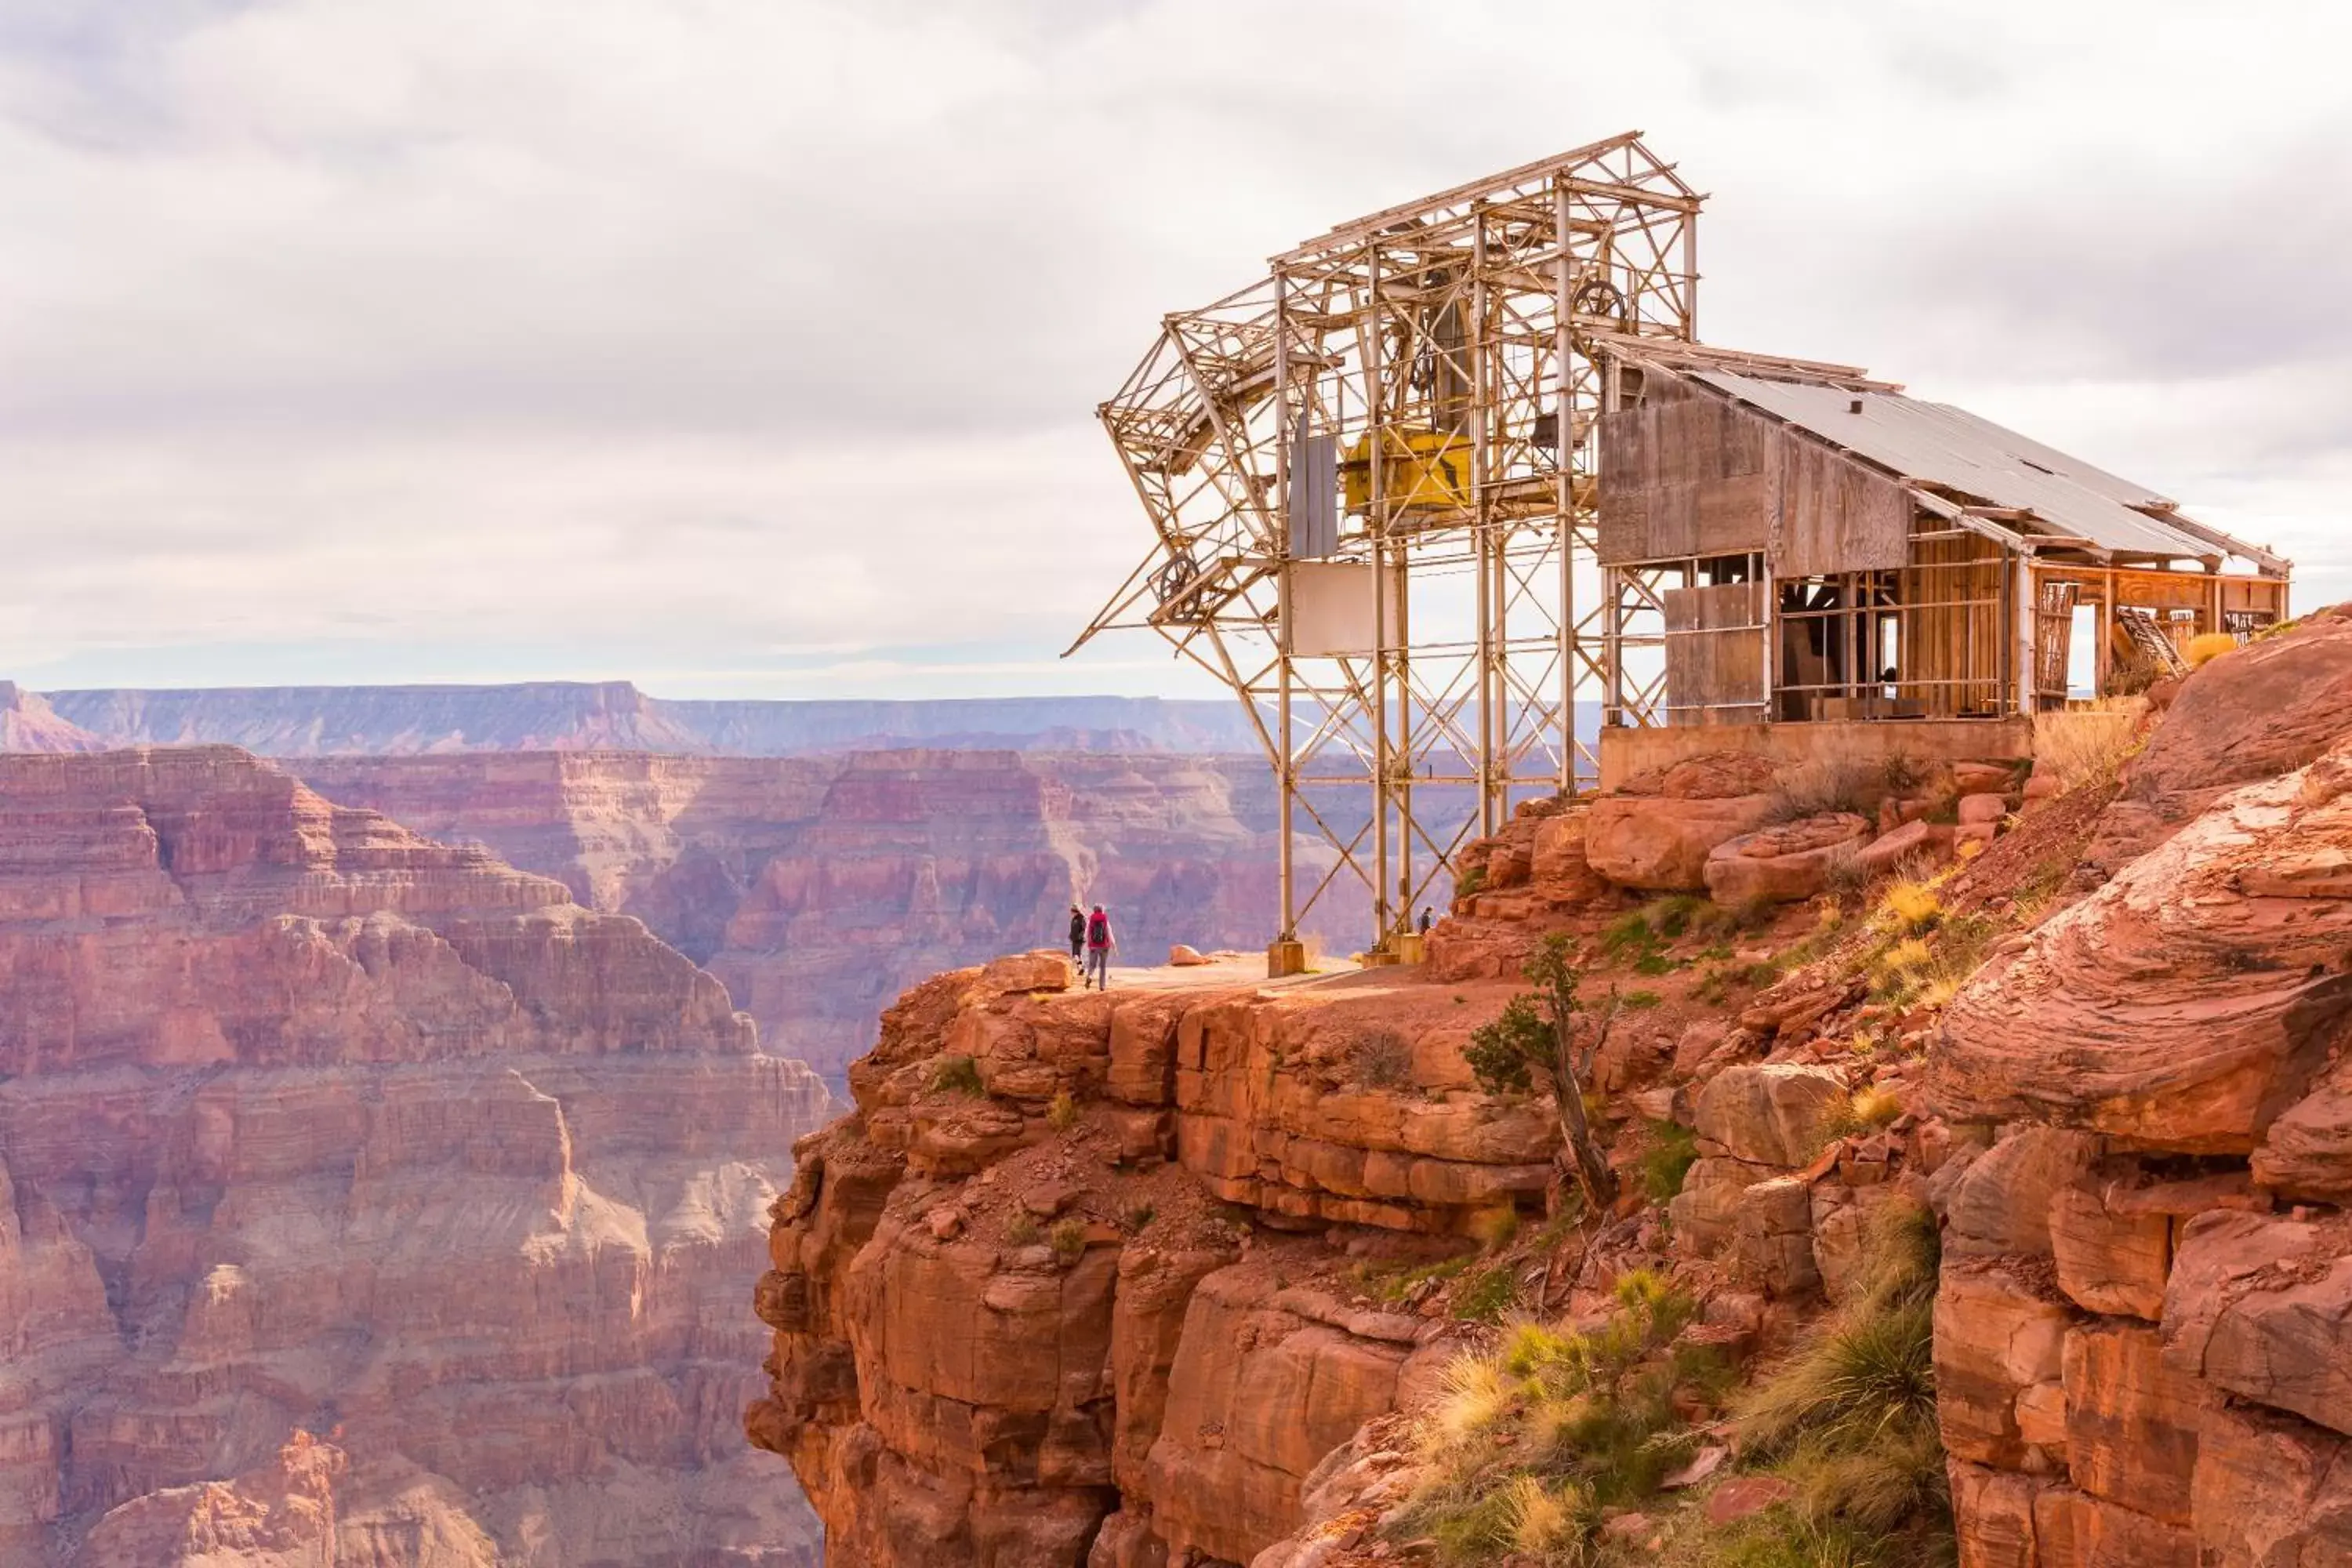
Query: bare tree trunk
(1593, 1172)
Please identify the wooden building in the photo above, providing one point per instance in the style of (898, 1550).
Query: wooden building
(1781, 542)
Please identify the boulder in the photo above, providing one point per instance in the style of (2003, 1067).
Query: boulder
(1182, 957)
(1992, 1513)
(1559, 868)
(1982, 778)
(1655, 834)
(2271, 1491)
(1773, 1238)
(2075, 1530)
(1783, 863)
(1705, 1213)
(1975, 809)
(1888, 850)
(1770, 1113)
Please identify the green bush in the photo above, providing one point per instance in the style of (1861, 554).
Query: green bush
(957, 1075)
(1672, 1151)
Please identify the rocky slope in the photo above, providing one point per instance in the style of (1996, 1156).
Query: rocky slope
(375, 720)
(1979, 1148)
(355, 1189)
(818, 888)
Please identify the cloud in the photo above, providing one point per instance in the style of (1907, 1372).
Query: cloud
(720, 330)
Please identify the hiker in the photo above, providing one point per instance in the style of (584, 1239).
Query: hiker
(1424, 920)
(1077, 935)
(1099, 943)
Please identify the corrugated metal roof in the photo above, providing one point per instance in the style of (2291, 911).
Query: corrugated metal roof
(1951, 446)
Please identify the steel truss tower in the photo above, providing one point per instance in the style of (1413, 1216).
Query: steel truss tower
(1408, 400)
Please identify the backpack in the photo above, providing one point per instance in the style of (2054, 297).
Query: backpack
(1098, 931)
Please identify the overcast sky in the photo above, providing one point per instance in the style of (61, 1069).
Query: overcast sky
(750, 347)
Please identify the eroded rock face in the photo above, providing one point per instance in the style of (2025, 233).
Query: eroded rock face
(819, 888)
(1009, 1324)
(2165, 1056)
(309, 1124)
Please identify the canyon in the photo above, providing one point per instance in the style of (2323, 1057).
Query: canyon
(613, 715)
(362, 1197)
(819, 888)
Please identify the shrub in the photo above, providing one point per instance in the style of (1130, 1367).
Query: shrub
(1488, 1296)
(957, 1075)
(1911, 907)
(2091, 749)
(1640, 1001)
(1847, 873)
(1903, 772)
(1672, 1151)
(1380, 1058)
(1549, 1033)
(1021, 1231)
(1141, 1216)
(2130, 677)
(1069, 1238)
(1467, 884)
(2203, 650)
(1874, 1107)
(1817, 788)
(1062, 1112)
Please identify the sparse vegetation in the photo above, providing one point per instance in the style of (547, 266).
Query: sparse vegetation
(1850, 1417)
(1141, 1216)
(1820, 787)
(1533, 1441)
(957, 1075)
(1550, 1033)
(2204, 649)
(1903, 773)
(1666, 1159)
(1640, 1001)
(2091, 749)
(1380, 1058)
(1062, 1112)
(1467, 884)
(1069, 1238)
(1021, 1230)
(1490, 1293)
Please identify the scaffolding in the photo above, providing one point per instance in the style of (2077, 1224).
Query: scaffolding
(1371, 476)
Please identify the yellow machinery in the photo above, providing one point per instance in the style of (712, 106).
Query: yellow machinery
(1426, 470)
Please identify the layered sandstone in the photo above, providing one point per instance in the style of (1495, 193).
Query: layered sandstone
(2139, 1342)
(27, 724)
(1010, 1325)
(818, 889)
(309, 1125)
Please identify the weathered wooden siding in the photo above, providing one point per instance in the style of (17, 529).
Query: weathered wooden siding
(1827, 514)
(1714, 653)
(1690, 473)
(1682, 474)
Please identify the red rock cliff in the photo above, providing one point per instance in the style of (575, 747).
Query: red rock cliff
(310, 1123)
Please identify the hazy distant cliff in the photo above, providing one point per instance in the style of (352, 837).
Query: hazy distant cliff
(818, 888)
(308, 1124)
(323, 720)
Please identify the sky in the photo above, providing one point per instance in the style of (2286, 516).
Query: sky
(751, 348)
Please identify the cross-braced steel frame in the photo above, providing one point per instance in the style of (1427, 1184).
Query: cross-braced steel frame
(1441, 363)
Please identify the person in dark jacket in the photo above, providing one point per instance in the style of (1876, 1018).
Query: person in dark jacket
(1077, 934)
(1099, 945)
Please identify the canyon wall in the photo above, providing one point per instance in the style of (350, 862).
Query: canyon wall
(1013, 1324)
(319, 1138)
(2141, 1338)
(818, 888)
(565, 715)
